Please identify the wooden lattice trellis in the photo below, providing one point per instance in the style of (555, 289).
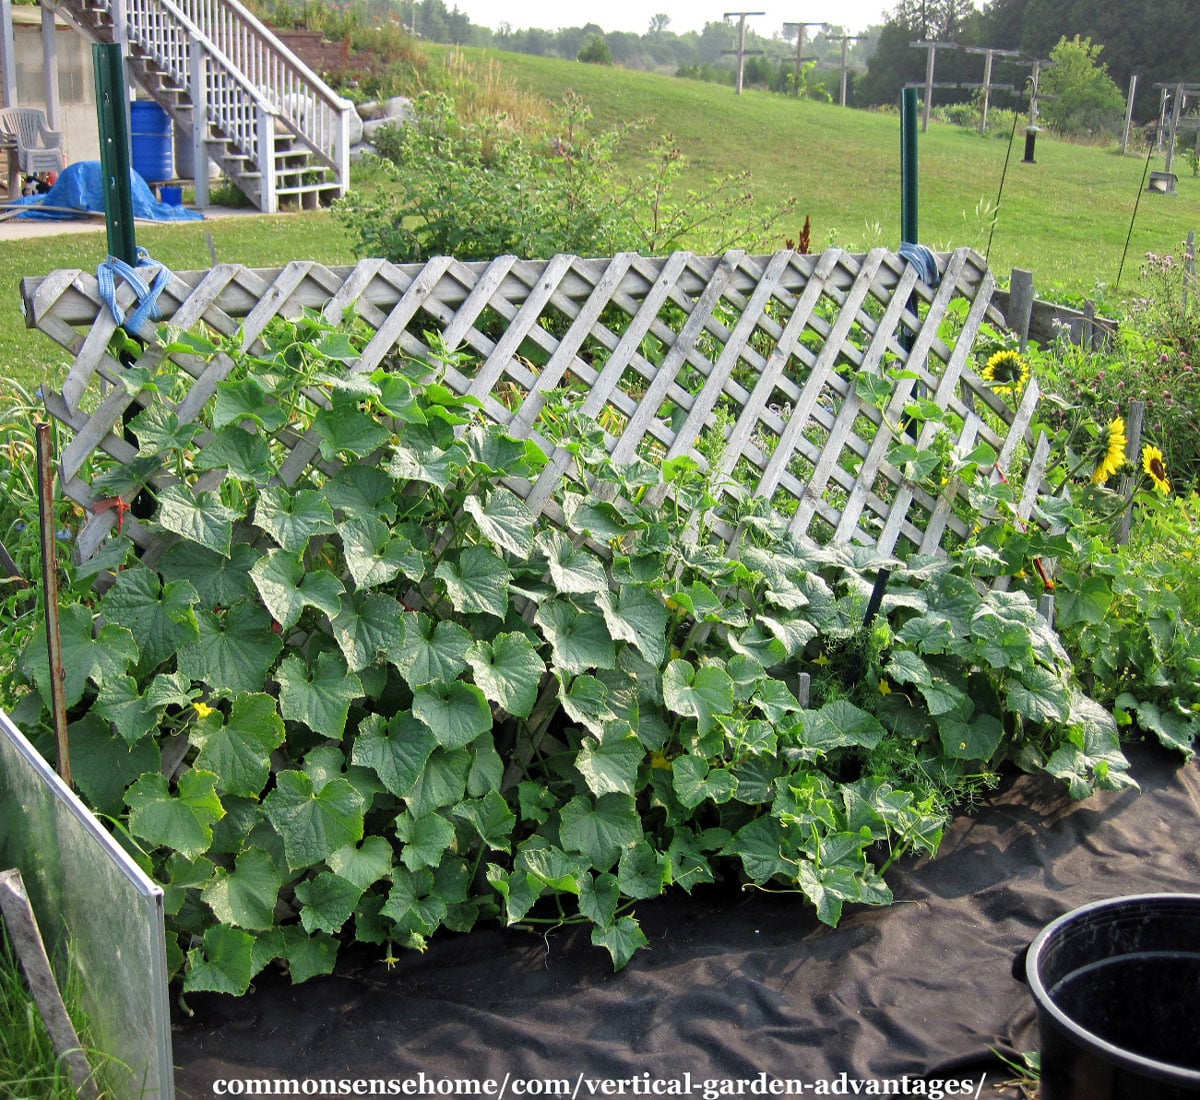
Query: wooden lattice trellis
(764, 348)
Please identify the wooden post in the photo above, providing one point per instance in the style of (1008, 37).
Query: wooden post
(1020, 303)
(35, 965)
(1176, 110)
(8, 56)
(1129, 113)
(741, 50)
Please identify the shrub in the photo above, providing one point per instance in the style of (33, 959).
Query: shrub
(482, 188)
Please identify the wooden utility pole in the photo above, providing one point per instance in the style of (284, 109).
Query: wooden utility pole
(1129, 113)
(798, 30)
(987, 84)
(846, 39)
(933, 48)
(741, 51)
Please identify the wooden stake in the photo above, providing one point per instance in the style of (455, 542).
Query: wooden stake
(58, 673)
(35, 965)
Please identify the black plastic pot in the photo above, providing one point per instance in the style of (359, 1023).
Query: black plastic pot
(1117, 986)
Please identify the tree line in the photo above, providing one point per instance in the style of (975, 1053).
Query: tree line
(1117, 38)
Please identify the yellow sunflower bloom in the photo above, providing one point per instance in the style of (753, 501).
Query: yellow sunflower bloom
(1110, 451)
(1007, 371)
(1153, 464)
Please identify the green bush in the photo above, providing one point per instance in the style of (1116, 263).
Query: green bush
(480, 189)
(382, 698)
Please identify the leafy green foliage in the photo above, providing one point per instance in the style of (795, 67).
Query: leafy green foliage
(389, 699)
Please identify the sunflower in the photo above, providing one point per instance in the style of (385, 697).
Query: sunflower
(1007, 371)
(1153, 464)
(1110, 451)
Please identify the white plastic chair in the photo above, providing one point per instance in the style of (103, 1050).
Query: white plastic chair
(38, 148)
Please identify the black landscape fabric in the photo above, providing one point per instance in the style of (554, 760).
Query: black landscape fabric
(737, 988)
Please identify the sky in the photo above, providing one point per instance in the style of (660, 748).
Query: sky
(685, 15)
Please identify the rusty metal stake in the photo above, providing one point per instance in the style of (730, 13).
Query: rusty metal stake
(58, 675)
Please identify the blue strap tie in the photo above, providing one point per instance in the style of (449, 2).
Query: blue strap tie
(146, 293)
(923, 259)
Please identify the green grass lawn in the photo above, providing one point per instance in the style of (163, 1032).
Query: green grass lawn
(1065, 218)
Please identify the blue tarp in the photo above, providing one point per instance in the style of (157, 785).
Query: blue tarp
(79, 188)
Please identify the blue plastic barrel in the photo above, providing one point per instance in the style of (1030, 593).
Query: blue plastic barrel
(150, 141)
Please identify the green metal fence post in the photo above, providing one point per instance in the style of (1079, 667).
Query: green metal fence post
(112, 110)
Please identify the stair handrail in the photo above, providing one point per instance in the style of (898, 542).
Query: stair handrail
(286, 90)
(325, 129)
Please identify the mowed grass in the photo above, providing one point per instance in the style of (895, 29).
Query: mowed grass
(1064, 218)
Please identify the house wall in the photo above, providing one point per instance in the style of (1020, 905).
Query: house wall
(76, 82)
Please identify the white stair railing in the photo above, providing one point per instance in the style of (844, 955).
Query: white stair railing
(242, 81)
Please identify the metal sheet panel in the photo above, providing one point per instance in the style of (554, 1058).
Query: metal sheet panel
(88, 893)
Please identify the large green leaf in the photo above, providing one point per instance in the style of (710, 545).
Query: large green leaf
(103, 764)
(292, 518)
(423, 457)
(599, 896)
(287, 588)
(572, 568)
(245, 455)
(204, 520)
(120, 703)
(320, 697)
(246, 896)
(610, 763)
(518, 890)
(642, 872)
(456, 712)
(182, 821)
(431, 649)
(369, 624)
(308, 955)
(88, 654)
(425, 839)
(759, 845)
(220, 581)
(246, 399)
(579, 640)
(157, 429)
(374, 555)
(235, 650)
(239, 751)
(327, 901)
(840, 724)
(396, 752)
(1038, 694)
(977, 739)
(585, 700)
(695, 781)
(358, 489)
(442, 782)
(701, 693)
(636, 614)
(223, 965)
(621, 940)
(311, 823)
(364, 864)
(344, 429)
(161, 617)
(490, 817)
(600, 828)
(508, 670)
(476, 581)
(504, 520)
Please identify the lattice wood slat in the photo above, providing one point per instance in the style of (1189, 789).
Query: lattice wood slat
(761, 350)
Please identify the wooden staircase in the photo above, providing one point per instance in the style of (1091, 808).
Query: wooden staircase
(273, 127)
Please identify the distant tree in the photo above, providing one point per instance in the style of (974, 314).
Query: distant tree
(1078, 94)
(659, 24)
(595, 51)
